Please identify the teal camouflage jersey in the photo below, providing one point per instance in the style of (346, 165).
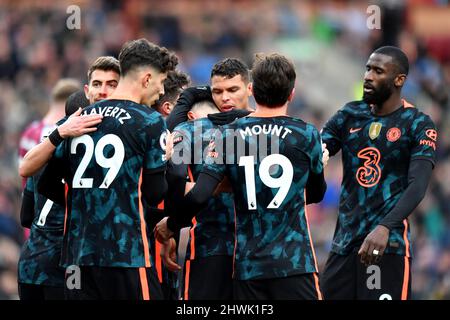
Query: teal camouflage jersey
(41, 253)
(376, 152)
(264, 159)
(212, 232)
(106, 225)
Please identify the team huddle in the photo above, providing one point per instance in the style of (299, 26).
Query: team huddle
(152, 189)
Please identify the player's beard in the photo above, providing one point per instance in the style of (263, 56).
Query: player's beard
(379, 95)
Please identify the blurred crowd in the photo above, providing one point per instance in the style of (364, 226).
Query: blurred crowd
(328, 40)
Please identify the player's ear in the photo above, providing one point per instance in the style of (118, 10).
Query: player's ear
(191, 115)
(250, 88)
(146, 79)
(167, 107)
(291, 96)
(86, 91)
(399, 80)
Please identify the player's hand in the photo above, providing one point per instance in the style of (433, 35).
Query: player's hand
(223, 118)
(169, 256)
(325, 155)
(162, 232)
(199, 93)
(77, 125)
(376, 240)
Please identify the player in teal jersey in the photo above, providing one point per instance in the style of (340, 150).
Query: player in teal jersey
(111, 173)
(280, 161)
(388, 152)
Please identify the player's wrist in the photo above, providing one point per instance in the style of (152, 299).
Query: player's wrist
(384, 227)
(62, 131)
(55, 137)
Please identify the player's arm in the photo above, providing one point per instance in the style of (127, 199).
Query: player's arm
(192, 203)
(176, 179)
(419, 175)
(184, 104)
(27, 208)
(223, 118)
(331, 133)
(312, 162)
(315, 187)
(39, 155)
(153, 196)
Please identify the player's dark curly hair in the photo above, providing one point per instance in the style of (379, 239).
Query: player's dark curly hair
(229, 68)
(273, 79)
(141, 52)
(173, 85)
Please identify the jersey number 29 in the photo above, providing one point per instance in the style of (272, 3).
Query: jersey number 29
(113, 164)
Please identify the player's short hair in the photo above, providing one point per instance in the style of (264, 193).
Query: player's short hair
(173, 86)
(76, 100)
(64, 88)
(273, 79)
(205, 105)
(399, 58)
(104, 63)
(141, 52)
(229, 68)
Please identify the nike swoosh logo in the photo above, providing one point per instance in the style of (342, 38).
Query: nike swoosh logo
(354, 130)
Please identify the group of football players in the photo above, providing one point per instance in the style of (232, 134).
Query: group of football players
(140, 187)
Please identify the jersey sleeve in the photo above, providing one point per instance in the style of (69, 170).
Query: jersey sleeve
(332, 133)
(424, 139)
(59, 151)
(155, 152)
(316, 165)
(29, 186)
(27, 209)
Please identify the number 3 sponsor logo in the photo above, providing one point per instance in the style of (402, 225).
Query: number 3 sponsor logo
(370, 173)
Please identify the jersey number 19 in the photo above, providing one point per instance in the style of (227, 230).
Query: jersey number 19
(283, 182)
